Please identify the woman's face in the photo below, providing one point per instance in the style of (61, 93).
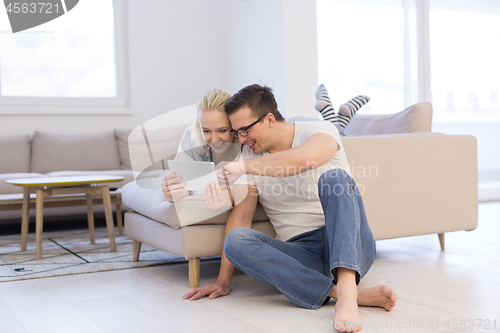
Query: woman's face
(216, 129)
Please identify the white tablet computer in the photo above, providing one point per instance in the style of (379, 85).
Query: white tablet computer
(195, 174)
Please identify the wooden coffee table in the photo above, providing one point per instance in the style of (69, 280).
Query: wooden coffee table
(60, 186)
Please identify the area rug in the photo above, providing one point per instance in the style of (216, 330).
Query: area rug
(70, 252)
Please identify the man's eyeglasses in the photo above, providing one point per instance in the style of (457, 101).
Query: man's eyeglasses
(244, 130)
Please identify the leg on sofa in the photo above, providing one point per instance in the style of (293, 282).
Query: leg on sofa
(194, 272)
(441, 241)
(136, 249)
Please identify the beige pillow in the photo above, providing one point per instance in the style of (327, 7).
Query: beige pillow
(58, 152)
(122, 141)
(416, 118)
(15, 151)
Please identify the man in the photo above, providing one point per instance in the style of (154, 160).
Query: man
(300, 175)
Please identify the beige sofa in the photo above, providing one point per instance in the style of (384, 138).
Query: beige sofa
(52, 155)
(412, 184)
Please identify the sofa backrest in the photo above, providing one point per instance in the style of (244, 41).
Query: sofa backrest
(122, 142)
(90, 152)
(157, 140)
(15, 153)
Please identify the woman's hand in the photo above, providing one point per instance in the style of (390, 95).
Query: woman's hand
(216, 199)
(173, 190)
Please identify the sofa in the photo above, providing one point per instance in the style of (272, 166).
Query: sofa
(413, 182)
(56, 155)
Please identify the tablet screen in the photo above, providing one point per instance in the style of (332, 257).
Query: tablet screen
(195, 174)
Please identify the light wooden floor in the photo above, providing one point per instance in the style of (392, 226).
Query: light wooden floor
(436, 291)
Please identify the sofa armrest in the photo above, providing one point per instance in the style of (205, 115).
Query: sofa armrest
(416, 184)
(191, 210)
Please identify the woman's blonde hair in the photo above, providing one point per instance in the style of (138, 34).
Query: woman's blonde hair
(214, 99)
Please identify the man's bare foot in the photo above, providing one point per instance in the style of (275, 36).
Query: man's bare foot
(381, 296)
(346, 318)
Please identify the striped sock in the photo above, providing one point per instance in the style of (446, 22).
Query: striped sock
(324, 105)
(347, 110)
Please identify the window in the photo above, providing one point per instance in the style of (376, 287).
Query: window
(464, 55)
(407, 51)
(76, 59)
(361, 52)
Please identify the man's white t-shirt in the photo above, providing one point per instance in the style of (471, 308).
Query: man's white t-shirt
(292, 203)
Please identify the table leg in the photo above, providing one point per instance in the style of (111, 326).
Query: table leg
(119, 220)
(39, 222)
(90, 218)
(25, 218)
(108, 212)
(136, 249)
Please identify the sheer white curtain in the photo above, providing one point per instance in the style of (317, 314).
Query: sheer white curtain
(361, 51)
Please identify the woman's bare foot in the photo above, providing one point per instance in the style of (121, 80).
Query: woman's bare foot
(381, 296)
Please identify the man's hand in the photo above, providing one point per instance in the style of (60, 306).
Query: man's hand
(230, 172)
(213, 290)
(173, 190)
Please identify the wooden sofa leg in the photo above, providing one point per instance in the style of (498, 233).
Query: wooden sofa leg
(441, 241)
(119, 220)
(194, 272)
(136, 249)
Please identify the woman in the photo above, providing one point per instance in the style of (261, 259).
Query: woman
(208, 139)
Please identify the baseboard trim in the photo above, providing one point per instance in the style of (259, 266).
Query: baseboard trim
(489, 191)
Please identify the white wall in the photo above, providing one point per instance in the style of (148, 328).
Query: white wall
(301, 60)
(271, 42)
(252, 49)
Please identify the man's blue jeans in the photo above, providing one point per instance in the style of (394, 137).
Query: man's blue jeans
(304, 267)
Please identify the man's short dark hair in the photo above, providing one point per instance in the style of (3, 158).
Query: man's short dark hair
(259, 99)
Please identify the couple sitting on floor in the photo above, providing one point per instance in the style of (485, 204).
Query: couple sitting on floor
(323, 245)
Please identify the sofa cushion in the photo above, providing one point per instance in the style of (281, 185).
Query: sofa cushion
(190, 210)
(6, 188)
(16, 151)
(122, 142)
(54, 152)
(416, 118)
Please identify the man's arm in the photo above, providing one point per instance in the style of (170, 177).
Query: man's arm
(316, 151)
(240, 216)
